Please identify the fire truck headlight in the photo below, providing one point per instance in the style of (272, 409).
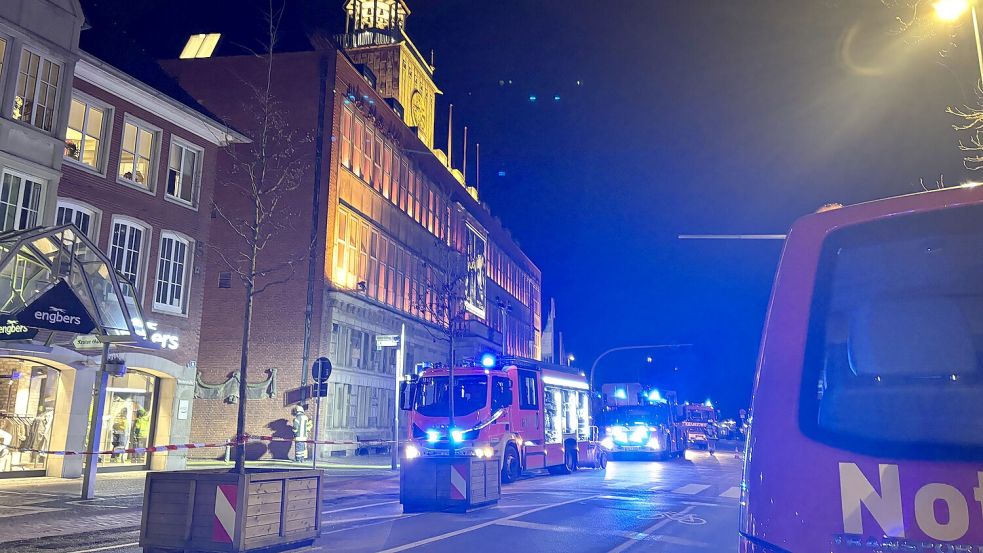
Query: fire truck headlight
(489, 452)
(433, 436)
(457, 436)
(411, 452)
(607, 443)
(639, 434)
(654, 443)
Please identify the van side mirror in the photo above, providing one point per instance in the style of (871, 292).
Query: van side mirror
(406, 392)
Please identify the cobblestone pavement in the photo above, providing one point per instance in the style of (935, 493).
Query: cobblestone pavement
(39, 511)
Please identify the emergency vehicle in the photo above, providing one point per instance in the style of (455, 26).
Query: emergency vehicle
(867, 413)
(635, 420)
(697, 417)
(528, 414)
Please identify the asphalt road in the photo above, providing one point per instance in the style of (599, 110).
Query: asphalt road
(680, 505)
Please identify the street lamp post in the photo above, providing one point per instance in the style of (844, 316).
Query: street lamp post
(626, 348)
(951, 10)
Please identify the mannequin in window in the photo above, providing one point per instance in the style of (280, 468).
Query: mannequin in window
(301, 429)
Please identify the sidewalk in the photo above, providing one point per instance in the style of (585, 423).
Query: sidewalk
(32, 508)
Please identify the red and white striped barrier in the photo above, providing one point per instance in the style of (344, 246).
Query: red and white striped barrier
(459, 482)
(224, 523)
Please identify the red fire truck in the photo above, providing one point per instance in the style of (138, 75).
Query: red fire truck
(639, 421)
(528, 414)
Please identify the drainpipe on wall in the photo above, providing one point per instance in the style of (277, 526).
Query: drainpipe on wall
(315, 225)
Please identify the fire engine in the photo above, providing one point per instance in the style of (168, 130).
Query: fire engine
(697, 417)
(526, 413)
(637, 420)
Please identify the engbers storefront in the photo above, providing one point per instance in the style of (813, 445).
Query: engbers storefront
(60, 301)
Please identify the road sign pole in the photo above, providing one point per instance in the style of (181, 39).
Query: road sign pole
(400, 367)
(317, 424)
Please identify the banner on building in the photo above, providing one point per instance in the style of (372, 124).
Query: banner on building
(475, 297)
(57, 309)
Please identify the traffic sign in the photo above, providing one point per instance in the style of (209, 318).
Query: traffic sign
(319, 389)
(321, 369)
(386, 341)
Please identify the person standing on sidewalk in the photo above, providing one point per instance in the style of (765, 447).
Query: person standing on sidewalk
(712, 435)
(301, 431)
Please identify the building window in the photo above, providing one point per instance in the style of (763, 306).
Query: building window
(37, 90)
(136, 154)
(20, 201)
(182, 172)
(83, 139)
(171, 273)
(346, 138)
(126, 249)
(3, 55)
(82, 217)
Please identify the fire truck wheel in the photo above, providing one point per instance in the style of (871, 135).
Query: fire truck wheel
(602, 460)
(511, 469)
(570, 460)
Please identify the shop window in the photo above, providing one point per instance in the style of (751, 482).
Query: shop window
(37, 90)
(27, 407)
(183, 172)
(20, 201)
(126, 249)
(82, 217)
(128, 417)
(86, 127)
(136, 164)
(172, 270)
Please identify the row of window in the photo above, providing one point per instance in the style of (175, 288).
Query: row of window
(129, 245)
(355, 349)
(372, 157)
(504, 272)
(354, 406)
(36, 92)
(392, 275)
(90, 126)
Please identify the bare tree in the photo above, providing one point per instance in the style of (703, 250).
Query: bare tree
(262, 175)
(442, 298)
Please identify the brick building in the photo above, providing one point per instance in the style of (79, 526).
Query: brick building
(380, 205)
(86, 144)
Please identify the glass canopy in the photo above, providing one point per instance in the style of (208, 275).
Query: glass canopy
(34, 260)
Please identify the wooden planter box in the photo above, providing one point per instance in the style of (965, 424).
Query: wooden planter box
(221, 511)
(449, 483)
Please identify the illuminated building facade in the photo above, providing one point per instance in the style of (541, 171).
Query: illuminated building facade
(382, 207)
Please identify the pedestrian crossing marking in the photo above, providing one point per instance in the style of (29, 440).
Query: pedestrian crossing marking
(733, 493)
(691, 489)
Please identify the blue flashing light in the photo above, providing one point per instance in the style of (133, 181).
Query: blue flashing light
(556, 98)
(620, 393)
(709, 404)
(457, 436)
(433, 436)
(488, 360)
(532, 98)
(654, 395)
(501, 173)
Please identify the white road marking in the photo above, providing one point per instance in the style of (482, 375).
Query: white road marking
(357, 526)
(357, 507)
(107, 547)
(359, 519)
(647, 532)
(691, 489)
(733, 493)
(444, 536)
(698, 504)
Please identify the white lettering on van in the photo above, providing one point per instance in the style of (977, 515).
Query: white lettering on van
(857, 492)
(958, 523)
(978, 490)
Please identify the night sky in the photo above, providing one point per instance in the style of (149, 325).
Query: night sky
(696, 116)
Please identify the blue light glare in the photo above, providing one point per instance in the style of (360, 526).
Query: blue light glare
(433, 436)
(457, 436)
(709, 404)
(620, 393)
(532, 98)
(488, 360)
(654, 395)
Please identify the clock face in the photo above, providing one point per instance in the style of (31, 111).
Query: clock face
(417, 108)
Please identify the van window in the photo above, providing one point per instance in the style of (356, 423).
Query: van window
(528, 391)
(501, 395)
(895, 347)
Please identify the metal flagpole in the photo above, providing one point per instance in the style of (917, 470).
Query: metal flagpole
(95, 428)
(400, 367)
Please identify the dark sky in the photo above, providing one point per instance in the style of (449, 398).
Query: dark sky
(695, 116)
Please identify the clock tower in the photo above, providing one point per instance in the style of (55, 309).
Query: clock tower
(375, 36)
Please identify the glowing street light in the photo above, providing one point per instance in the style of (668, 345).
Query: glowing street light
(950, 11)
(571, 358)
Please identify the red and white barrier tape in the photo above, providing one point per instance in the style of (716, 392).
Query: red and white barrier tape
(175, 447)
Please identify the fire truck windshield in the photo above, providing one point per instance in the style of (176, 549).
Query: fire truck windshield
(697, 415)
(648, 414)
(471, 394)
